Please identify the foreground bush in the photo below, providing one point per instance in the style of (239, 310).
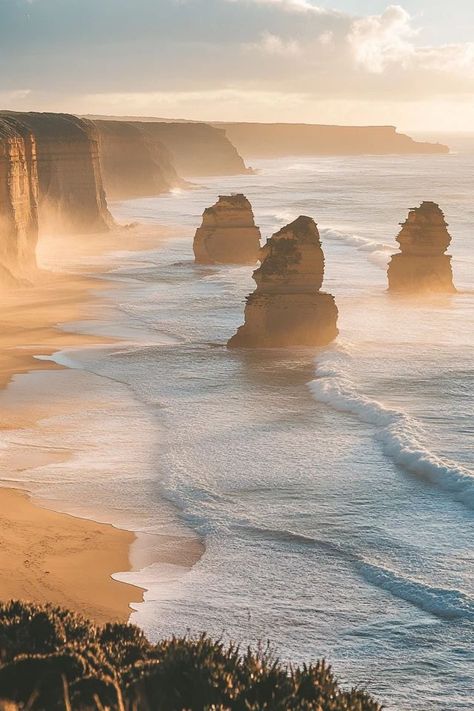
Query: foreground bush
(54, 659)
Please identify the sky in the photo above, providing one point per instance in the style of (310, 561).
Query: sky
(316, 61)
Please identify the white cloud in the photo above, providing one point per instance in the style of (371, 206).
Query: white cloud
(288, 5)
(275, 45)
(380, 40)
(448, 58)
(326, 38)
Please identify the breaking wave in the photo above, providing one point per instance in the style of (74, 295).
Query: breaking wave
(442, 602)
(377, 252)
(399, 434)
(446, 603)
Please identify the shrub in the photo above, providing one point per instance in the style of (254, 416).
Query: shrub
(52, 659)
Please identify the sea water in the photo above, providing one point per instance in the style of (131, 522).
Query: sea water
(333, 488)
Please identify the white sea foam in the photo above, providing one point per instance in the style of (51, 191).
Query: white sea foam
(400, 434)
(377, 252)
(442, 602)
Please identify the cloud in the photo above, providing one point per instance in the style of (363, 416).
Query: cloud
(201, 58)
(287, 5)
(274, 45)
(380, 40)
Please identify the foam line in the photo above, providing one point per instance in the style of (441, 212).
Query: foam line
(399, 434)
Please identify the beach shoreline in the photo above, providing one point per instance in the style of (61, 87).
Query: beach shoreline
(46, 555)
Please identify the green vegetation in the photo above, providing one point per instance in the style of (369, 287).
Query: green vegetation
(53, 659)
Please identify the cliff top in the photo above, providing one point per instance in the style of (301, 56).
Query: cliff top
(48, 125)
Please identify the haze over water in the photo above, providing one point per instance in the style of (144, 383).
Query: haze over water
(333, 489)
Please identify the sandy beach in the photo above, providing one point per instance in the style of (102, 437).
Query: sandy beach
(46, 556)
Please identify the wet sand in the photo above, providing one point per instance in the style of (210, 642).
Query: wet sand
(47, 556)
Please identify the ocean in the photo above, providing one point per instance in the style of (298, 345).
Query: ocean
(333, 489)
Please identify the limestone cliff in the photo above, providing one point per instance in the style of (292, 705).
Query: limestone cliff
(287, 308)
(228, 233)
(133, 164)
(422, 265)
(18, 201)
(273, 140)
(197, 149)
(71, 194)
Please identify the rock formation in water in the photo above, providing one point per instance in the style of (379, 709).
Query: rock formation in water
(228, 234)
(287, 308)
(71, 195)
(273, 140)
(134, 165)
(422, 265)
(18, 201)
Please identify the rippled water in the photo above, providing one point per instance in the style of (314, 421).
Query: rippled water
(334, 489)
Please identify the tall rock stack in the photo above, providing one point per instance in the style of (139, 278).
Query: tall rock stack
(287, 308)
(228, 234)
(422, 266)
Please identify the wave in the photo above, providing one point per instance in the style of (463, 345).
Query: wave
(399, 434)
(446, 603)
(378, 252)
(442, 602)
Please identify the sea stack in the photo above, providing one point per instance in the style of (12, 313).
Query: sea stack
(422, 266)
(287, 308)
(228, 234)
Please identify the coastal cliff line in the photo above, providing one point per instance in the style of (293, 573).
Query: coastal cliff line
(18, 200)
(146, 158)
(276, 140)
(50, 181)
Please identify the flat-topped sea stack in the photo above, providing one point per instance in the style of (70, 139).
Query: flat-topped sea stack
(422, 266)
(287, 308)
(228, 234)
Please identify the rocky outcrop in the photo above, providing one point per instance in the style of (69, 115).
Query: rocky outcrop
(196, 149)
(228, 234)
(273, 140)
(18, 201)
(422, 265)
(133, 164)
(71, 195)
(287, 308)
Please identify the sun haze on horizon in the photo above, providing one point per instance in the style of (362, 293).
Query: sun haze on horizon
(355, 62)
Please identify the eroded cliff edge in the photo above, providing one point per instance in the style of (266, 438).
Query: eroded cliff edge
(133, 163)
(18, 201)
(71, 196)
(275, 140)
(191, 149)
(287, 308)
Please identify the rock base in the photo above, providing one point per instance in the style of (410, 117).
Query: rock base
(227, 245)
(411, 274)
(290, 319)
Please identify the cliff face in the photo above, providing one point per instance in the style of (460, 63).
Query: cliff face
(267, 140)
(287, 308)
(71, 194)
(228, 233)
(133, 164)
(197, 149)
(422, 265)
(18, 201)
